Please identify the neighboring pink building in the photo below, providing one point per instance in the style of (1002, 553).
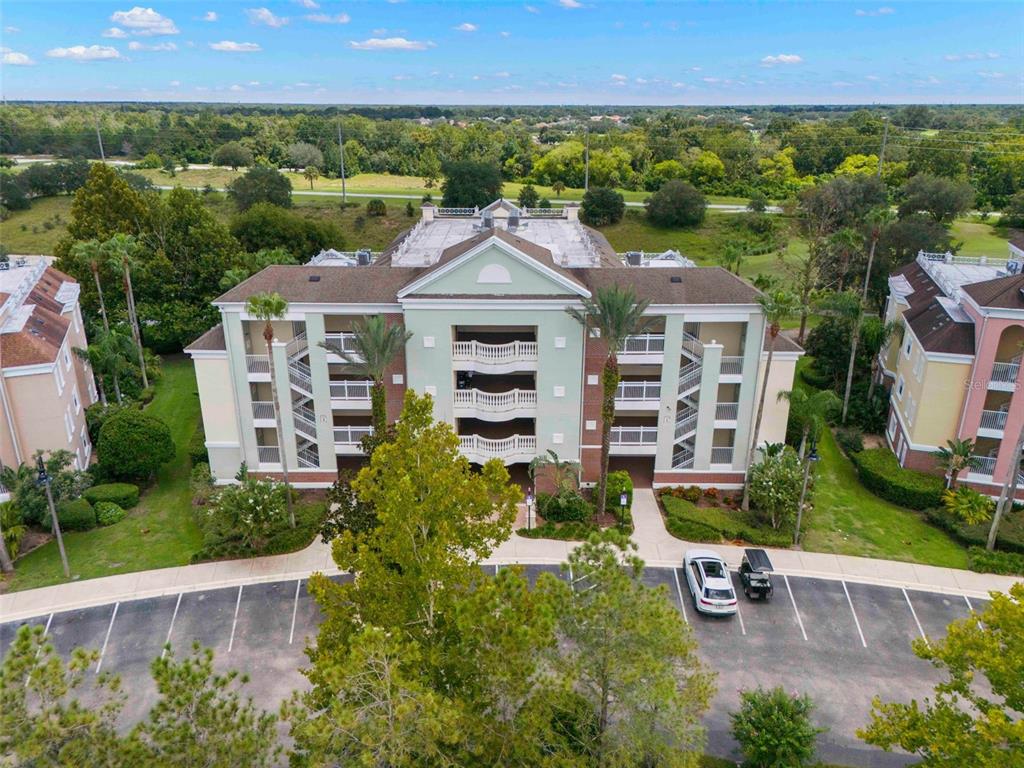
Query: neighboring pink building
(956, 372)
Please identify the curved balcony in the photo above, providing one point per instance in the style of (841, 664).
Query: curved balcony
(512, 449)
(494, 358)
(495, 406)
(1004, 376)
(992, 424)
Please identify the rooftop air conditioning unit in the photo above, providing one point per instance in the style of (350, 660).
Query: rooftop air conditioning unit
(363, 257)
(634, 258)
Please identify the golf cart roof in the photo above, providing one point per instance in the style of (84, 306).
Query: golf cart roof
(758, 560)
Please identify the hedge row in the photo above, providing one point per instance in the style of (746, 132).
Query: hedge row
(1011, 529)
(686, 521)
(572, 531)
(76, 515)
(1004, 563)
(880, 472)
(108, 513)
(125, 495)
(285, 539)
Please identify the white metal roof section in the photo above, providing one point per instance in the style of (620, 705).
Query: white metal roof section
(951, 273)
(954, 310)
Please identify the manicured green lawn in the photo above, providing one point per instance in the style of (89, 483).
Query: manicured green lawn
(27, 231)
(979, 238)
(160, 531)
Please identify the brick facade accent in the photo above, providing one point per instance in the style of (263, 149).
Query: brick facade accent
(702, 479)
(295, 477)
(594, 354)
(395, 392)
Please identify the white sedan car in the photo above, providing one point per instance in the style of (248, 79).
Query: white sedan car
(709, 582)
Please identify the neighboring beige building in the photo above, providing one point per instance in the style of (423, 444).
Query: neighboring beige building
(44, 387)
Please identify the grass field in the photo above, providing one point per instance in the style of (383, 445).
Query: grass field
(37, 229)
(979, 238)
(160, 531)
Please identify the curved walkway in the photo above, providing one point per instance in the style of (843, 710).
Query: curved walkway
(654, 545)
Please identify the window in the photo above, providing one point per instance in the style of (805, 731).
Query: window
(907, 346)
(67, 359)
(59, 375)
(899, 387)
(919, 366)
(910, 409)
(892, 425)
(69, 425)
(74, 399)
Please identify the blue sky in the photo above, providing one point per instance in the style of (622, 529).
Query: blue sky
(541, 51)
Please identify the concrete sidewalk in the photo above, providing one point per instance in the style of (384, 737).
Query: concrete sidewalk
(654, 545)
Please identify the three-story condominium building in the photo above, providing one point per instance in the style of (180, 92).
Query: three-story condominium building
(484, 294)
(955, 371)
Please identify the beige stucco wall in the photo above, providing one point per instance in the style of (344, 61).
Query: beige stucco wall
(931, 403)
(39, 408)
(217, 400)
(729, 335)
(776, 412)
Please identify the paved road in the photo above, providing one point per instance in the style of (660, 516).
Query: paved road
(840, 642)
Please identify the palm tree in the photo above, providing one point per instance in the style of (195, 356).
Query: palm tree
(110, 354)
(846, 306)
(564, 473)
(968, 505)
(813, 410)
(122, 250)
(377, 343)
(843, 246)
(615, 313)
(877, 334)
(311, 174)
(269, 307)
(91, 253)
(954, 458)
(777, 306)
(1009, 492)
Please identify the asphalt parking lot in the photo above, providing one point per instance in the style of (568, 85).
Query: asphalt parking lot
(840, 642)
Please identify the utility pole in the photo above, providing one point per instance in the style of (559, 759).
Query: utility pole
(341, 152)
(586, 162)
(885, 137)
(44, 480)
(99, 140)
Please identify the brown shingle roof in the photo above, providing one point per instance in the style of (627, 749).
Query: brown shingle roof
(211, 341)
(925, 289)
(1003, 292)
(355, 285)
(783, 343)
(938, 332)
(697, 285)
(38, 342)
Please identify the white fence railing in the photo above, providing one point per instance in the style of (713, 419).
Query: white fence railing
(495, 402)
(638, 390)
(257, 363)
(643, 344)
(693, 345)
(351, 435)
(1005, 373)
(727, 411)
(495, 354)
(634, 435)
(732, 366)
(456, 211)
(297, 345)
(689, 377)
(344, 341)
(993, 419)
(351, 390)
(986, 465)
(503, 448)
(683, 458)
(721, 455)
(686, 423)
(262, 409)
(268, 454)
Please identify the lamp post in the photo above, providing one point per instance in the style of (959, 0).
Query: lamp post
(623, 500)
(812, 456)
(44, 481)
(529, 510)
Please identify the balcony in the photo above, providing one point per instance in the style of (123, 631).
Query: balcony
(731, 366)
(689, 378)
(1004, 376)
(692, 346)
(263, 411)
(495, 358)
(986, 466)
(516, 448)
(258, 367)
(340, 341)
(727, 411)
(305, 421)
(347, 440)
(268, 454)
(644, 348)
(722, 455)
(634, 441)
(300, 377)
(351, 394)
(683, 458)
(495, 406)
(638, 395)
(993, 422)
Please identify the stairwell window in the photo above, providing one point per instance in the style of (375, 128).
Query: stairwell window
(899, 387)
(907, 346)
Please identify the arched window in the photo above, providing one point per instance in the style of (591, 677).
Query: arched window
(494, 273)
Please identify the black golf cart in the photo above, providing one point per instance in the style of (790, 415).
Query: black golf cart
(755, 574)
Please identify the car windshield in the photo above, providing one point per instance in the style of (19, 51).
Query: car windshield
(714, 569)
(718, 594)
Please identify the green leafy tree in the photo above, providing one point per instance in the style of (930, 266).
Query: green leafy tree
(469, 183)
(775, 485)
(955, 457)
(133, 445)
(812, 410)
(302, 154)
(250, 512)
(233, 154)
(110, 356)
(676, 204)
(66, 484)
(615, 313)
(602, 206)
(528, 196)
(261, 184)
(558, 188)
(774, 728)
(269, 307)
(942, 199)
(265, 226)
(122, 253)
(345, 510)
(104, 206)
(777, 307)
(311, 173)
(376, 207)
(376, 344)
(976, 715)
(12, 531)
(91, 253)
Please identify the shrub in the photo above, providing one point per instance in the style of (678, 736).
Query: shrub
(77, 515)
(376, 207)
(197, 452)
(13, 527)
(850, 439)
(108, 513)
(146, 395)
(248, 513)
(266, 226)
(564, 507)
(815, 378)
(881, 473)
(133, 444)
(774, 728)
(97, 413)
(201, 484)
(571, 531)
(1009, 539)
(345, 510)
(691, 530)
(775, 485)
(690, 523)
(528, 197)
(602, 206)
(261, 184)
(676, 204)
(409, 210)
(280, 539)
(125, 495)
(1005, 563)
(619, 482)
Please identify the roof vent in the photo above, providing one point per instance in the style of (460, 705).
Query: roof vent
(314, 278)
(675, 279)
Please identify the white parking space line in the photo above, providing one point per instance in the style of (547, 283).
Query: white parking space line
(795, 609)
(914, 614)
(110, 626)
(496, 566)
(679, 591)
(234, 621)
(167, 640)
(295, 610)
(855, 619)
(739, 613)
(46, 631)
(971, 609)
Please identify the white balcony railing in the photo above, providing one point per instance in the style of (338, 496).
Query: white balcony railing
(693, 346)
(496, 402)
(993, 419)
(257, 363)
(638, 390)
(686, 423)
(268, 454)
(298, 345)
(351, 390)
(643, 344)
(351, 435)
(721, 455)
(689, 377)
(634, 435)
(727, 411)
(683, 458)
(308, 457)
(300, 376)
(986, 465)
(1005, 373)
(732, 366)
(262, 409)
(506, 448)
(343, 341)
(495, 354)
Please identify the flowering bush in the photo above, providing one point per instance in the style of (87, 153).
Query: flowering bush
(250, 512)
(775, 485)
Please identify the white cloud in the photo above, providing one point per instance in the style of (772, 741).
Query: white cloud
(466, 27)
(15, 59)
(230, 46)
(570, 3)
(619, 78)
(711, 80)
(115, 32)
(505, 34)
(970, 56)
(503, 74)
(85, 53)
(12, 30)
(401, 77)
(531, 9)
(254, 83)
(989, 75)
(210, 16)
(144, 22)
(174, 83)
(310, 4)
(782, 58)
(842, 84)
(266, 17)
(872, 78)
(236, 87)
(135, 45)
(640, 81)
(883, 11)
(390, 44)
(326, 18)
